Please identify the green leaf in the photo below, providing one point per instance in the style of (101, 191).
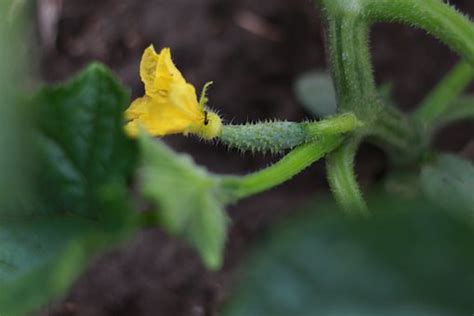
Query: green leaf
(407, 259)
(81, 202)
(39, 258)
(449, 183)
(315, 91)
(81, 141)
(189, 199)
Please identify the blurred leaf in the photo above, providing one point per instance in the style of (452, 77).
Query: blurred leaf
(405, 260)
(460, 109)
(403, 182)
(14, 125)
(81, 141)
(187, 197)
(82, 207)
(315, 91)
(39, 258)
(385, 91)
(449, 183)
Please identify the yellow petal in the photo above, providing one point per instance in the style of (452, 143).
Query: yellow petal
(148, 69)
(158, 72)
(183, 96)
(166, 68)
(157, 118)
(167, 118)
(137, 108)
(132, 128)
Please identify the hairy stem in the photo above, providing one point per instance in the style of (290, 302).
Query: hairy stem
(434, 16)
(347, 33)
(350, 61)
(298, 159)
(342, 180)
(347, 25)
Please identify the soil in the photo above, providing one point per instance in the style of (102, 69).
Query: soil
(253, 51)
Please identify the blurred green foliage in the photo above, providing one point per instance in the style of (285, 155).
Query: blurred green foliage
(83, 161)
(449, 183)
(409, 259)
(189, 200)
(14, 126)
(315, 91)
(81, 141)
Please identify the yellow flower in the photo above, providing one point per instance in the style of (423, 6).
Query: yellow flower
(170, 104)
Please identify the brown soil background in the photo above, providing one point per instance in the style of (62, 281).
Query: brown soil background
(253, 51)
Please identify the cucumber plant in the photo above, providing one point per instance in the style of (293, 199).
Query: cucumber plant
(86, 144)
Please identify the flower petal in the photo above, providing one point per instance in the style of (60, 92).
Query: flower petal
(157, 118)
(183, 97)
(158, 72)
(137, 108)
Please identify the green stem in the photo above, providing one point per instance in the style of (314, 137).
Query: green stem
(460, 109)
(339, 124)
(439, 100)
(350, 60)
(401, 137)
(298, 159)
(342, 180)
(348, 21)
(437, 18)
(347, 25)
(347, 33)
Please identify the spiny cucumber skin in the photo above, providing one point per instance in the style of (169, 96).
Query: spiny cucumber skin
(264, 137)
